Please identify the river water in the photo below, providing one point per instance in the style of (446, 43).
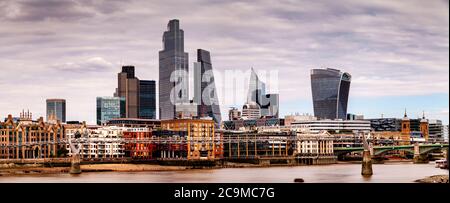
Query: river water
(337, 173)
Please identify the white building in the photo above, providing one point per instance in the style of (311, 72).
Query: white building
(332, 126)
(251, 111)
(445, 133)
(320, 144)
(104, 142)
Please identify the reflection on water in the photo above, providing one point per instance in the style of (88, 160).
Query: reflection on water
(338, 173)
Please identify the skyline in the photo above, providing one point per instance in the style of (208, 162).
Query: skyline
(76, 54)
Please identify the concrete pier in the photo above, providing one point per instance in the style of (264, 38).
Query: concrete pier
(419, 158)
(366, 164)
(75, 165)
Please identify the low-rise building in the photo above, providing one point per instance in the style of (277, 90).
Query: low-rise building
(200, 136)
(332, 126)
(18, 138)
(100, 143)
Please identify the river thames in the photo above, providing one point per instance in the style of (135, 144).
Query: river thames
(398, 172)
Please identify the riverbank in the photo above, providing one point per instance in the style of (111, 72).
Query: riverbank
(30, 169)
(434, 179)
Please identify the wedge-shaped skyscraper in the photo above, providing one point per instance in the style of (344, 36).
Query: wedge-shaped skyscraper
(205, 93)
(330, 90)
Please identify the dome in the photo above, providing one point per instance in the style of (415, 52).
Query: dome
(251, 105)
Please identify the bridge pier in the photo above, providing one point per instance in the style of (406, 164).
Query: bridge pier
(419, 158)
(75, 164)
(366, 164)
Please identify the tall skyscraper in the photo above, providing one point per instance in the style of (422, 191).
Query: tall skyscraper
(330, 90)
(173, 71)
(109, 108)
(56, 109)
(268, 103)
(128, 88)
(147, 99)
(205, 93)
(256, 89)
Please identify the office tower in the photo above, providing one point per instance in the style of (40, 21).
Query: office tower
(271, 107)
(268, 103)
(109, 108)
(256, 89)
(330, 90)
(56, 109)
(128, 88)
(205, 93)
(173, 71)
(147, 99)
(436, 130)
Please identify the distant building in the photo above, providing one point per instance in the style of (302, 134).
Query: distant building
(109, 108)
(234, 114)
(56, 108)
(173, 62)
(135, 123)
(147, 99)
(128, 88)
(289, 119)
(252, 124)
(267, 103)
(354, 117)
(385, 124)
(436, 130)
(332, 126)
(445, 129)
(330, 91)
(251, 111)
(205, 93)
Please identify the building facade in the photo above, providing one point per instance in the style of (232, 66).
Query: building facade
(330, 91)
(138, 150)
(173, 71)
(147, 99)
(436, 130)
(56, 108)
(234, 114)
(109, 108)
(128, 88)
(253, 124)
(16, 138)
(100, 143)
(205, 93)
(251, 111)
(201, 142)
(332, 126)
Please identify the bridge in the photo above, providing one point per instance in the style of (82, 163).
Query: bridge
(419, 150)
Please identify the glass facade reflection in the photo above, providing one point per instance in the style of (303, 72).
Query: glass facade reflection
(56, 108)
(109, 108)
(330, 91)
(147, 99)
(205, 88)
(173, 59)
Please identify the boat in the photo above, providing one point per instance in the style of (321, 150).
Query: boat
(442, 163)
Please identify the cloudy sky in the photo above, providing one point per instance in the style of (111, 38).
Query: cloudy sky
(396, 51)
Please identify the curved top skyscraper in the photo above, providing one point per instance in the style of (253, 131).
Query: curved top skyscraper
(330, 90)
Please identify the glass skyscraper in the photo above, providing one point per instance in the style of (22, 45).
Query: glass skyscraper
(330, 90)
(147, 99)
(56, 109)
(128, 88)
(109, 108)
(173, 71)
(205, 93)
